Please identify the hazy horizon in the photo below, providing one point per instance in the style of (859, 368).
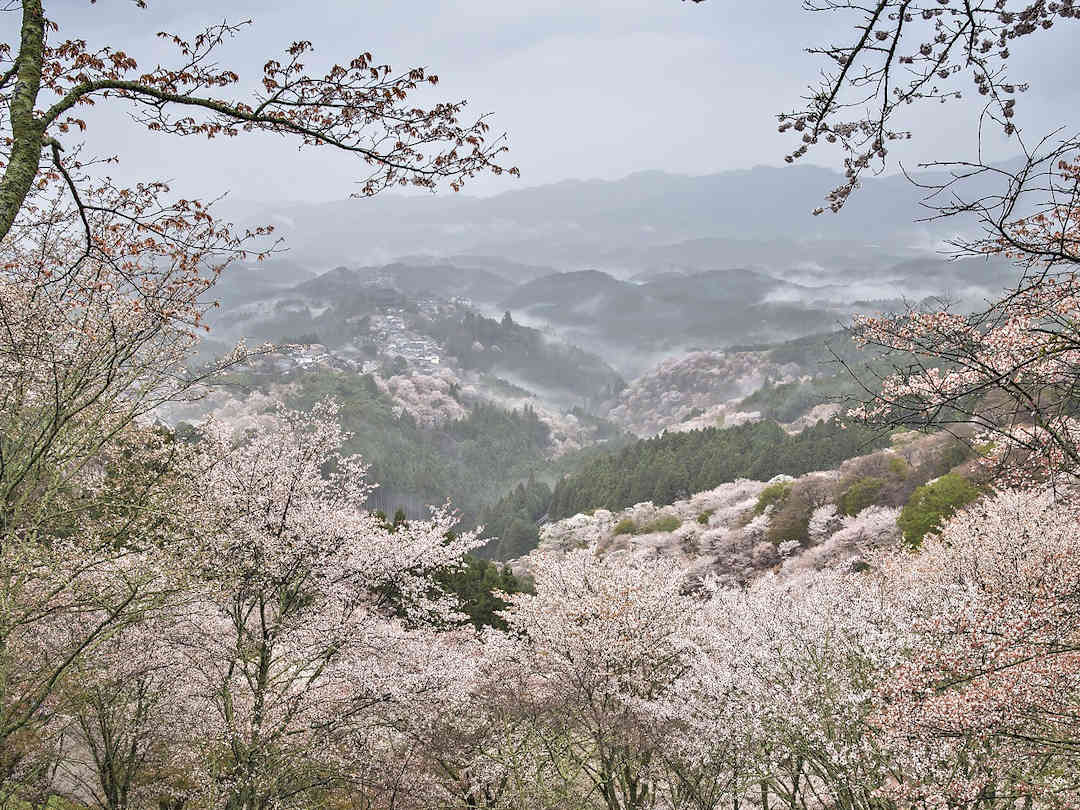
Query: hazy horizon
(583, 93)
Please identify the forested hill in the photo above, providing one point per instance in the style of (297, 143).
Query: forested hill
(669, 467)
(674, 465)
(378, 318)
(464, 459)
(841, 518)
(483, 344)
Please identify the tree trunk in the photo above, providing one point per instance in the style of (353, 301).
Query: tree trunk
(26, 130)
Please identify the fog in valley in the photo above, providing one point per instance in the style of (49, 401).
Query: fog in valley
(634, 270)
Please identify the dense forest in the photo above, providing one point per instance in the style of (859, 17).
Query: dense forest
(666, 468)
(486, 344)
(511, 524)
(468, 460)
(674, 465)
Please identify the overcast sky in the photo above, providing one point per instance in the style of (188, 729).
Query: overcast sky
(585, 89)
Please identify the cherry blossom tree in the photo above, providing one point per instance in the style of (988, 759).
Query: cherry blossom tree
(605, 640)
(297, 638)
(90, 345)
(779, 698)
(982, 712)
(428, 398)
(127, 718)
(483, 745)
(985, 711)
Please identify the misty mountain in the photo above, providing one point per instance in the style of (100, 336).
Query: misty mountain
(633, 270)
(575, 224)
(629, 322)
(583, 296)
(400, 317)
(241, 283)
(440, 280)
(620, 318)
(516, 272)
(673, 303)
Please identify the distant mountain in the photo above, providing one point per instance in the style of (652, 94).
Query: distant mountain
(440, 280)
(505, 268)
(592, 296)
(712, 286)
(780, 252)
(626, 322)
(578, 223)
(582, 297)
(240, 283)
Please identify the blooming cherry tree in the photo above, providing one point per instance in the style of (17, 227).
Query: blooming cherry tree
(605, 640)
(298, 634)
(779, 697)
(987, 705)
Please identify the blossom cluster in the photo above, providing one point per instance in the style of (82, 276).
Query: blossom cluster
(428, 398)
(716, 533)
(701, 381)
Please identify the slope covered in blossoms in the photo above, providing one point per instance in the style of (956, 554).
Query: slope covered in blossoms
(681, 388)
(741, 530)
(784, 382)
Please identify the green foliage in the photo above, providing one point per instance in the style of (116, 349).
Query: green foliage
(674, 465)
(187, 433)
(477, 584)
(772, 495)
(626, 526)
(704, 517)
(931, 504)
(956, 453)
(898, 467)
(52, 803)
(486, 345)
(470, 461)
(511, 523)
(861, 494)
(664, 523)
(791, 518)
(791, 522)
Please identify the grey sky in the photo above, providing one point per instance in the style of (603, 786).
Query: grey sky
(593, 89)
